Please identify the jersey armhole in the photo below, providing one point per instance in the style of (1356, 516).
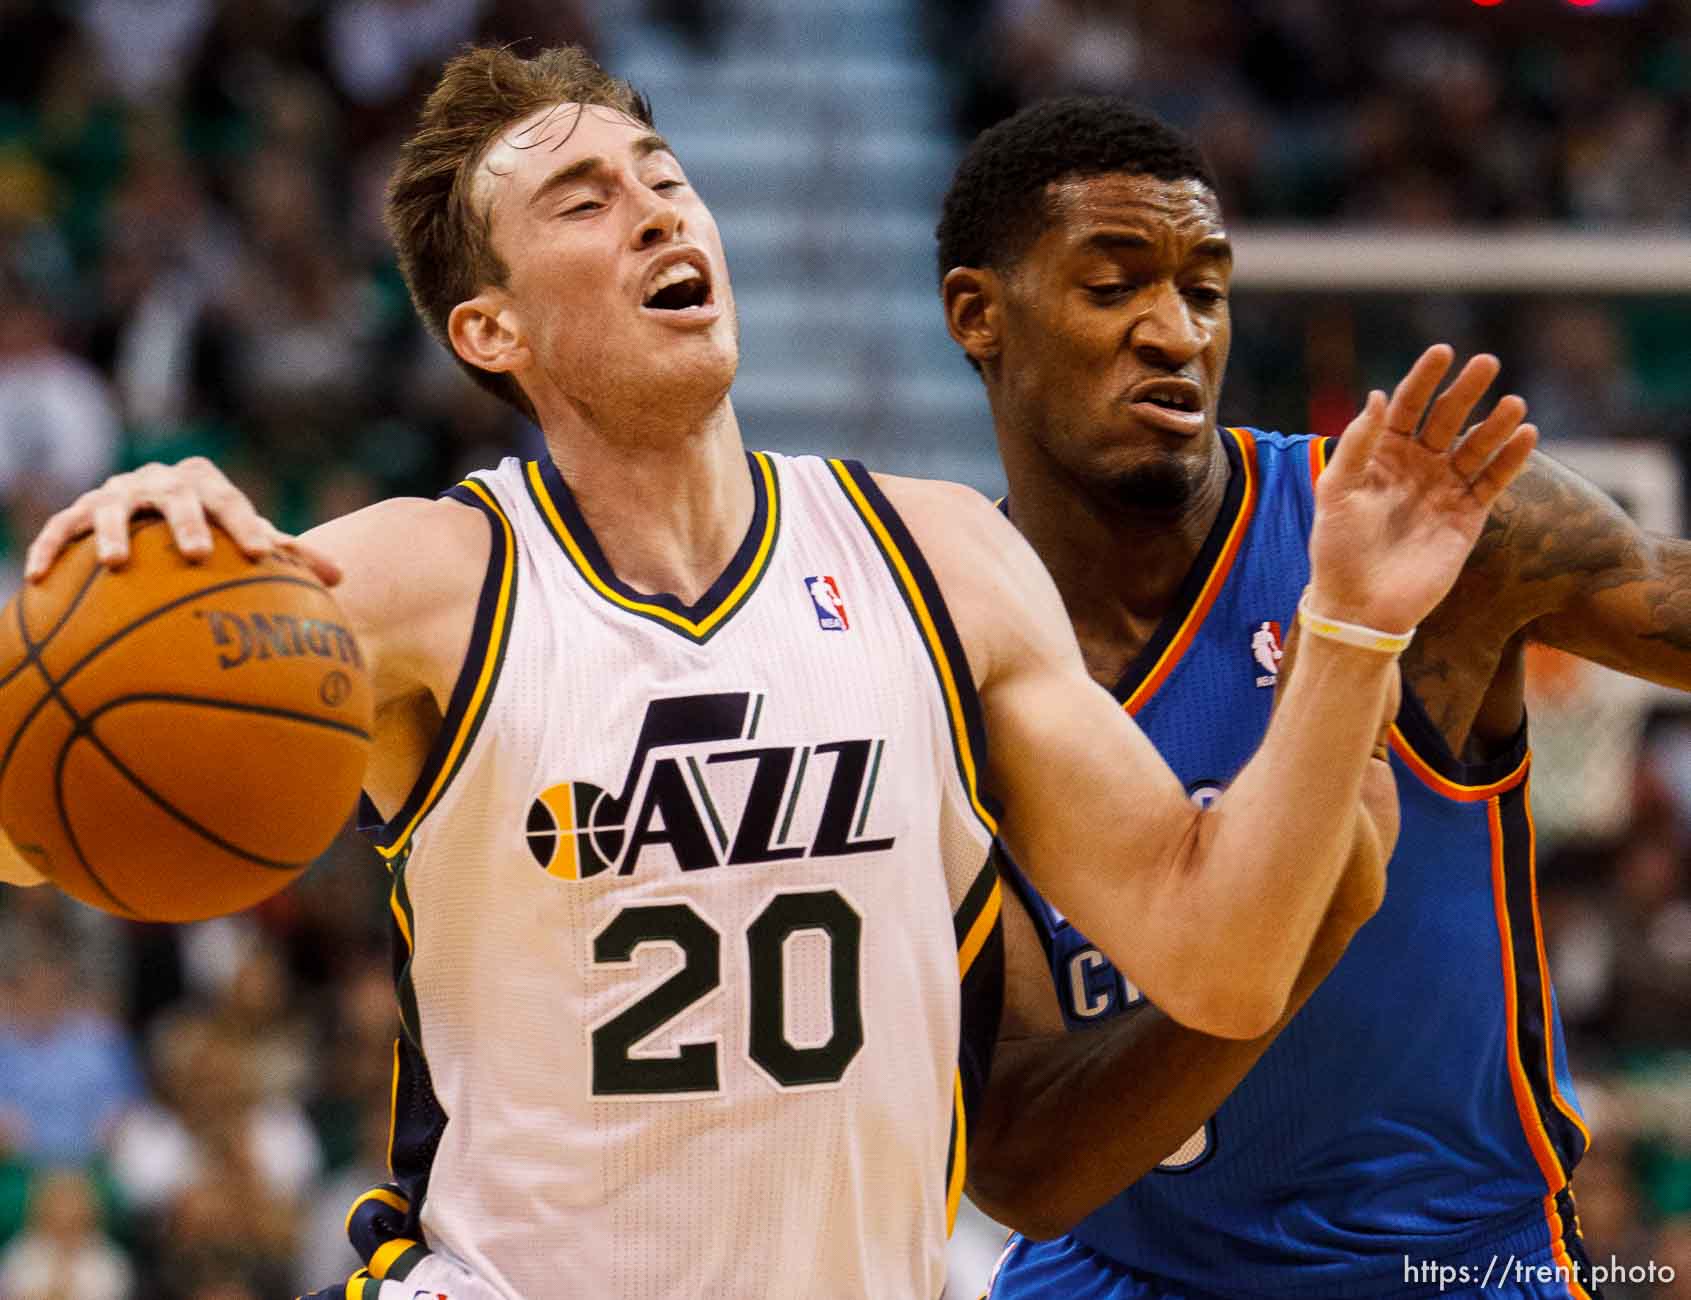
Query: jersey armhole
(477, 677)
(926, 605)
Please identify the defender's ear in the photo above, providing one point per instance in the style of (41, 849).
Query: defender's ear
(486, 333)
(974, 310)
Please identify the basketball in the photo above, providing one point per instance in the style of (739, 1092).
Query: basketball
(180, 741)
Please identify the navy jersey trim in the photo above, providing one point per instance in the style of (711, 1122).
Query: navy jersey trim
(404, 950)
(1553, 1130)
(706, 616)
(1423, 746)
(1572, 1242)
(981, 990)
(915, 583)
(417, 1125)
(1417, 738)
(379, 1225)
(471, 693)
(980, 960)
(1198, 590)
(1203, 581)
(978, 920)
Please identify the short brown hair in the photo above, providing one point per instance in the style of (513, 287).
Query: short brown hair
(445, 245)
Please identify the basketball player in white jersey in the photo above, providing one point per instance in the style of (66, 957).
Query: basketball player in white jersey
(688, 760)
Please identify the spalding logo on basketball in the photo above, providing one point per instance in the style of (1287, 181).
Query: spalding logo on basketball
(180, 740)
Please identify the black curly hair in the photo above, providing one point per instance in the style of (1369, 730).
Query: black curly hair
(995, 207)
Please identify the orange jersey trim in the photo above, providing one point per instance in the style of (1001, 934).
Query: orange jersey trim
(1531, 1125)
(1560, 1101)
(1559, 1250)
(1176, 648)
(1454, 789)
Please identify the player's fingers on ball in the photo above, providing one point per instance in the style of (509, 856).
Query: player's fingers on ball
(148, 485)
(187, 520)
(1450, 411)
(70, 523)
(1488, 485)
(1416, 389)
(112, 513)
(322, 565)
(207, 479)
(1484, 438)
(228, 505)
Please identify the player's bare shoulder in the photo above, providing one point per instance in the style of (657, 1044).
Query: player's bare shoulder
(998, 592)
(413, 572)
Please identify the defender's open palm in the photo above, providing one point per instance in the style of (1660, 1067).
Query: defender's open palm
(1406, 494)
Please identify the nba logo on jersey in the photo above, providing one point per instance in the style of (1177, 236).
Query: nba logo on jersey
(1266, 650)
(830, 608)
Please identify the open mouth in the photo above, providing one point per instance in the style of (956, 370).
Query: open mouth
(677, 288)
(1171, 399)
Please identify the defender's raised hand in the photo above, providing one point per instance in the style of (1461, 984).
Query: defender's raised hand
(191, 496)
(1406, 494)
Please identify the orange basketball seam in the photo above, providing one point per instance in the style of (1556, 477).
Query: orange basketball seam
(53, 683)
(32, 649)
(32, 655)
(81, 803)
(198, 594)
(70, 832)
(275, 864)
(212, 702)
(53, 693)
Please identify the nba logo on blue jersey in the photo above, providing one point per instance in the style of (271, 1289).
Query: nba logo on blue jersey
(1267, 651)
(830, 607)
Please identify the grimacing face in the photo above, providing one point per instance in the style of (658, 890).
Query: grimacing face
(1116, 332)
(617, 287)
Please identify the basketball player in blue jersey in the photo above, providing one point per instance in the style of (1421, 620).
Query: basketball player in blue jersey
(682, 1011)
(1417, 1113)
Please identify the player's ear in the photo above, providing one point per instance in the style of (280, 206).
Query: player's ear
(974, 310)
(485, 332)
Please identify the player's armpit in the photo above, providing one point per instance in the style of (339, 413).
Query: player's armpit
(1069, 1120)
(1569, 565)
(1210, 913)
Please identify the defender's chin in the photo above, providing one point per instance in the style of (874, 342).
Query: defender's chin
(1160, 486)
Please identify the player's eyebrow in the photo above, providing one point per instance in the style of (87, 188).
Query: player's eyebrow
(1211, 248)
(644, 147)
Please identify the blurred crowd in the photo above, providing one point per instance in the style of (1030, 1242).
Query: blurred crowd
(1424, 114)
(192, 252)
(187, 1112)
(1412, 112)
(191, 260)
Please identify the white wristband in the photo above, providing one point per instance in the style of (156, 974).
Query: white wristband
(1368, 638)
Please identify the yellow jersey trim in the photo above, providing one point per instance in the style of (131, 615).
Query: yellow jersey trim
(959, 1154)
(488, 671)
(930, 633)
(700, 628)
(982, 927)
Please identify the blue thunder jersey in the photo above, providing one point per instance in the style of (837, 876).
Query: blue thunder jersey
(1420, 1102)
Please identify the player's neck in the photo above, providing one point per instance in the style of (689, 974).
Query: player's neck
(669, 507)
(1118, 568)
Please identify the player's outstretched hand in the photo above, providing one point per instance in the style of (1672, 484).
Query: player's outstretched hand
(191, 496)
(1407, 491)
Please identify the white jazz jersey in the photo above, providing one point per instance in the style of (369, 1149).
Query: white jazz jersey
(688, 897)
